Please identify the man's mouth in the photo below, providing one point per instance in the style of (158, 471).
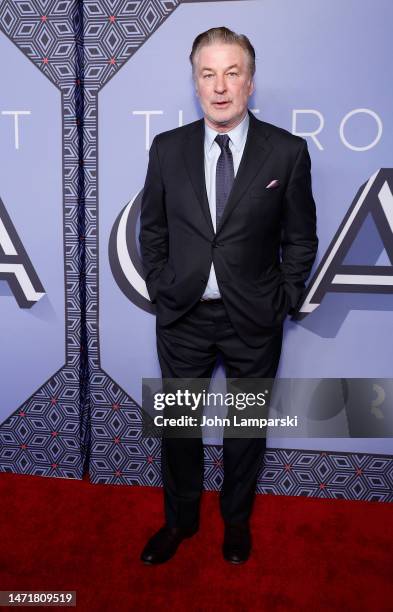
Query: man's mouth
(221, 104)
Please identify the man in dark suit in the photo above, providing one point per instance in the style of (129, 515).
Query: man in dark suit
(228, 239)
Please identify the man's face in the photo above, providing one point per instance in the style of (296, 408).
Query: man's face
(223, 84)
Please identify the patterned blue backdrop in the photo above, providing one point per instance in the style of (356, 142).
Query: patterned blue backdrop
(80, 418)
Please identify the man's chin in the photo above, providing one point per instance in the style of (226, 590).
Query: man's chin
(222, 117)
(220, 120)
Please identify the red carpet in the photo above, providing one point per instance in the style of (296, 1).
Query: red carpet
(309, 554)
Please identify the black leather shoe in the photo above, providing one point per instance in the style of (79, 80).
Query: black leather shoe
(163, 544)
(237, 543)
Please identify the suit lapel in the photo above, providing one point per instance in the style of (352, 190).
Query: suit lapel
(194, 156)
(256, 151)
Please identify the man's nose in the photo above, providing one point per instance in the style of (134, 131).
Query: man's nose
(220, 84)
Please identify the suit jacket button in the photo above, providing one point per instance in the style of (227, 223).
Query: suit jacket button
(214, 244)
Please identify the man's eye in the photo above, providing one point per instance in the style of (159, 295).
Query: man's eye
(232, 73)
(207, 76)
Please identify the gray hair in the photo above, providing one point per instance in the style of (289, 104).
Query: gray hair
(223, 35)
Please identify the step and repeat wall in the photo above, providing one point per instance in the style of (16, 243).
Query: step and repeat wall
(85, 88)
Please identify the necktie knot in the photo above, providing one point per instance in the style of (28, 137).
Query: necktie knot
(223, 141)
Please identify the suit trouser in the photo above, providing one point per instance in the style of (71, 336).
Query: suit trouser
(189, 348)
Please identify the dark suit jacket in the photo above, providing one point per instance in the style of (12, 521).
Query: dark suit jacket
(265, 244)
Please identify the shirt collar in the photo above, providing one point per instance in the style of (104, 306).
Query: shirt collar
(237, 135)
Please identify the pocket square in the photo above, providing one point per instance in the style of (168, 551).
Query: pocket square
(273, 184)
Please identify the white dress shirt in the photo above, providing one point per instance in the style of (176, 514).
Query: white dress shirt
(237, 141)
